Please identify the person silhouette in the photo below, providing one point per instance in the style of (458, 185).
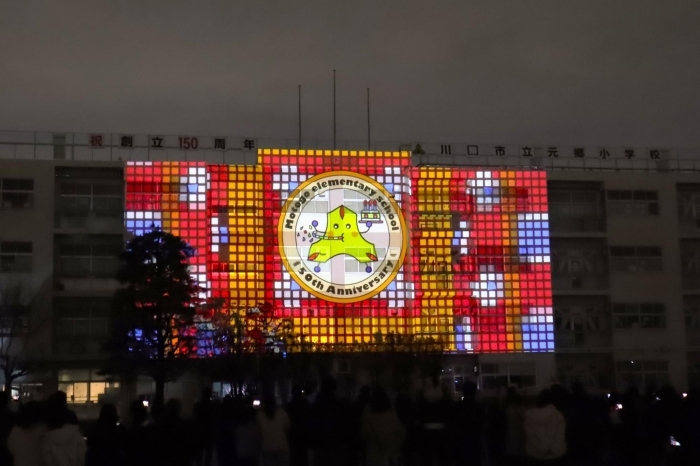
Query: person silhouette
(205, 425)
(382, 430)
(299, 411)
(106, 444)
(27, 435)
(7, 422)
(545, 431)
(274, 425)
(63, 444)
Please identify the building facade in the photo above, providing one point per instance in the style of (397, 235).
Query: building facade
(623, 238)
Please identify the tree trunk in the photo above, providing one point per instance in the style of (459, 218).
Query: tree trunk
(160, 390)
(7, 386)
(159, 376)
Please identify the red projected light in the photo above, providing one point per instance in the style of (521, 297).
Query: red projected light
(468, 265)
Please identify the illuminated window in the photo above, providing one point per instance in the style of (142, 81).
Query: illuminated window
(83, 385)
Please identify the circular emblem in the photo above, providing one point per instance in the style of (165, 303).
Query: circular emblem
(342, 237)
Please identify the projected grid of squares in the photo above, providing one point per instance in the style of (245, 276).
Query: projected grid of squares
(476, 277)
(481, 259)
(322, 321)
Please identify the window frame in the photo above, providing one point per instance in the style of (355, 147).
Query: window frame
(635, 259)
(92, 381)
(90, 197)
(510, 376)
(642, 369)
(93, 313)
(89, 260)
(8, 258)
(6, 194)
(626, 315)
(632, 203)
(577, 208)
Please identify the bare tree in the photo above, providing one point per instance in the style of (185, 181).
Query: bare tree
(17, 355)
(250, 339)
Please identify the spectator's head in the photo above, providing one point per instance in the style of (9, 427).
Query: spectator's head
(328, 385)
(469, 390)
(297, 391)
(693, 399)
(379, 402)
(227, 407)
(632, 392)
(247, 413)
(269, 405)
(365, 392)
(4, 399)
(578, 390)
(157, 412)
(57, 410)
(172, 410)
(57, 399)
(667, 393)
(513, 397)
(30, 414)
(544, 398)
(108, 415)
(206, 393)
(138, 413)
(560, 396)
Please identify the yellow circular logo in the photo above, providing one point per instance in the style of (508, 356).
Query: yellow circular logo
(342, 237)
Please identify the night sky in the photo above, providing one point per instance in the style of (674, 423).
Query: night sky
(545, 72)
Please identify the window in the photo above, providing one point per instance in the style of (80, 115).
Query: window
(83, 260)
(84, 386)
(644, 315)
(16, 193)
(691, 309)
(694, 375)
(82, 317)
(15, 256)
(688, 197)
(641, 374)
(495, 376)
(635, 259)
(633, 203)
(14, 320)
(79, 199)
(690, 264)
(574, 203)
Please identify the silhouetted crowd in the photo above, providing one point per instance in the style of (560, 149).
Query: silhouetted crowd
(558, 428)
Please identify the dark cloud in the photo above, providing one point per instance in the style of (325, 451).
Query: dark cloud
(590, 72)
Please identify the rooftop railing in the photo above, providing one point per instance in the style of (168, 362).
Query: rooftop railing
(103, 147)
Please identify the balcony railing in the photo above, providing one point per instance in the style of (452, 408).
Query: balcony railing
(111, 222)
(691, 282)
(580, 282)
(562, 224)
(593, 340)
